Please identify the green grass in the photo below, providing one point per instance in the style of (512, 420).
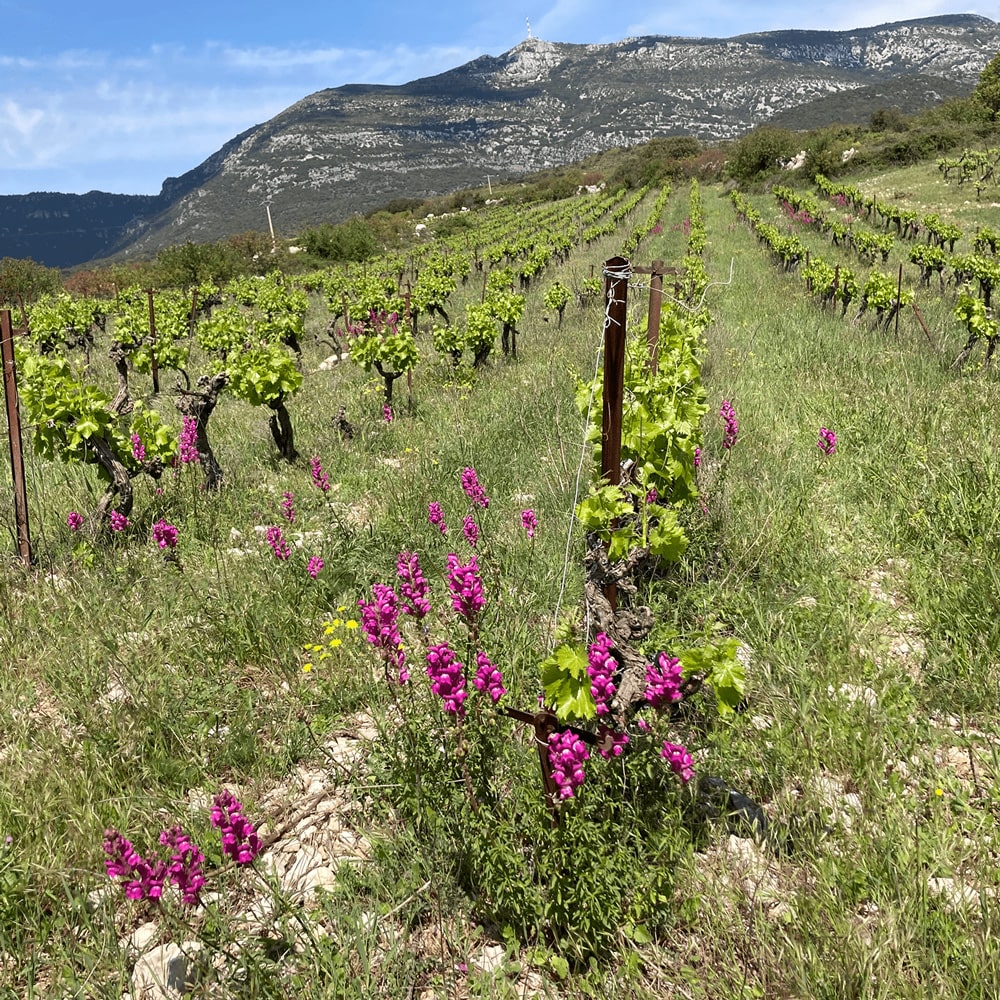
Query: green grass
(870, 574)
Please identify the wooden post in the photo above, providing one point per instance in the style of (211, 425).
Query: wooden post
(14, 437)
(653, 322)
(194, 313)
(923, 325)
(615, 302)
(154, 367)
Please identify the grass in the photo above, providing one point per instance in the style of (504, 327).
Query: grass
(863, 586)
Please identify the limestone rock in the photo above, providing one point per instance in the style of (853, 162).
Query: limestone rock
(166, 972)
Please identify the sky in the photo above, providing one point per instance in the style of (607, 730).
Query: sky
(117, 96)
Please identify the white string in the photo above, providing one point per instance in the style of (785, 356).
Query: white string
(615, 274)
(579, 473)
(684, 305)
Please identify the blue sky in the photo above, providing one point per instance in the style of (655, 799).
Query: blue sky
(116, 96)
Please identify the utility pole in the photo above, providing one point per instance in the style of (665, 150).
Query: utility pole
(270, 225)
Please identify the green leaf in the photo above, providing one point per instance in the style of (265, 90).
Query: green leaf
(601, 506)
(639, 933)
(622, 540)
(559, 965)
(567, 684)
(722, 668)
(666, 537)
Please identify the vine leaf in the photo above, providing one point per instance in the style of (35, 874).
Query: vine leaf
(567, 684)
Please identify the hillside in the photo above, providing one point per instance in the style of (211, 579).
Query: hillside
(349, 149)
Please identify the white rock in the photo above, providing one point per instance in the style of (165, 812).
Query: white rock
(955, 895)
(319, 878)
(166, 972)
(96, 898)
(530, 986)
(855, 693)
(198, 800)
(294, 880)
(115, 693)
(490, 959)
(259, 915)
(143, 936)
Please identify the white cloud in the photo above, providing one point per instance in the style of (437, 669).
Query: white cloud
(564, 20)
(82, 116)
(20, 119)
(727, 18)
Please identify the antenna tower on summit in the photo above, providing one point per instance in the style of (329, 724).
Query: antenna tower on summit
(528, 23)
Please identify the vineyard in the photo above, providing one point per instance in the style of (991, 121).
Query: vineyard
(598, 598)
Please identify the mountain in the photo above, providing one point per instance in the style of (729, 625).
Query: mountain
(355, 147)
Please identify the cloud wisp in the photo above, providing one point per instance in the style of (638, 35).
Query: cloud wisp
(82, 121)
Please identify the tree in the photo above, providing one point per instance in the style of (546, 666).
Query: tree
(761, 152)
(188, 264)
(986, 95)
(352, 240)
(888, 120)
(27, 279)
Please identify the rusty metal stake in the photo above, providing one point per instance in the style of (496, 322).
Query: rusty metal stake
(615, 304)
(923, 326)
(194, 313)
(545, 723)
(656, 273)
(14, 437)
(615, 298)
(653, 321)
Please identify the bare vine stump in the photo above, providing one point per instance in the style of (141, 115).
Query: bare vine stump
(199, 403)
(389, 379)
(122, 403)
(118, 495)
(281, 430)
(508, 340)
(344, 427)
(623, 625)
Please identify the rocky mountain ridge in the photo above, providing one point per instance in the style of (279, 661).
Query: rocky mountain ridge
(543, 103)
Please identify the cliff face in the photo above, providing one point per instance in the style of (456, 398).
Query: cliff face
(540, 104)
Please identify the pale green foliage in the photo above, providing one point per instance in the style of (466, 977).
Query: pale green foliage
(56, 320)
(261, 375)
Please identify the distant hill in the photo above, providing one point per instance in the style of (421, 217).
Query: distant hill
(541, 104)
